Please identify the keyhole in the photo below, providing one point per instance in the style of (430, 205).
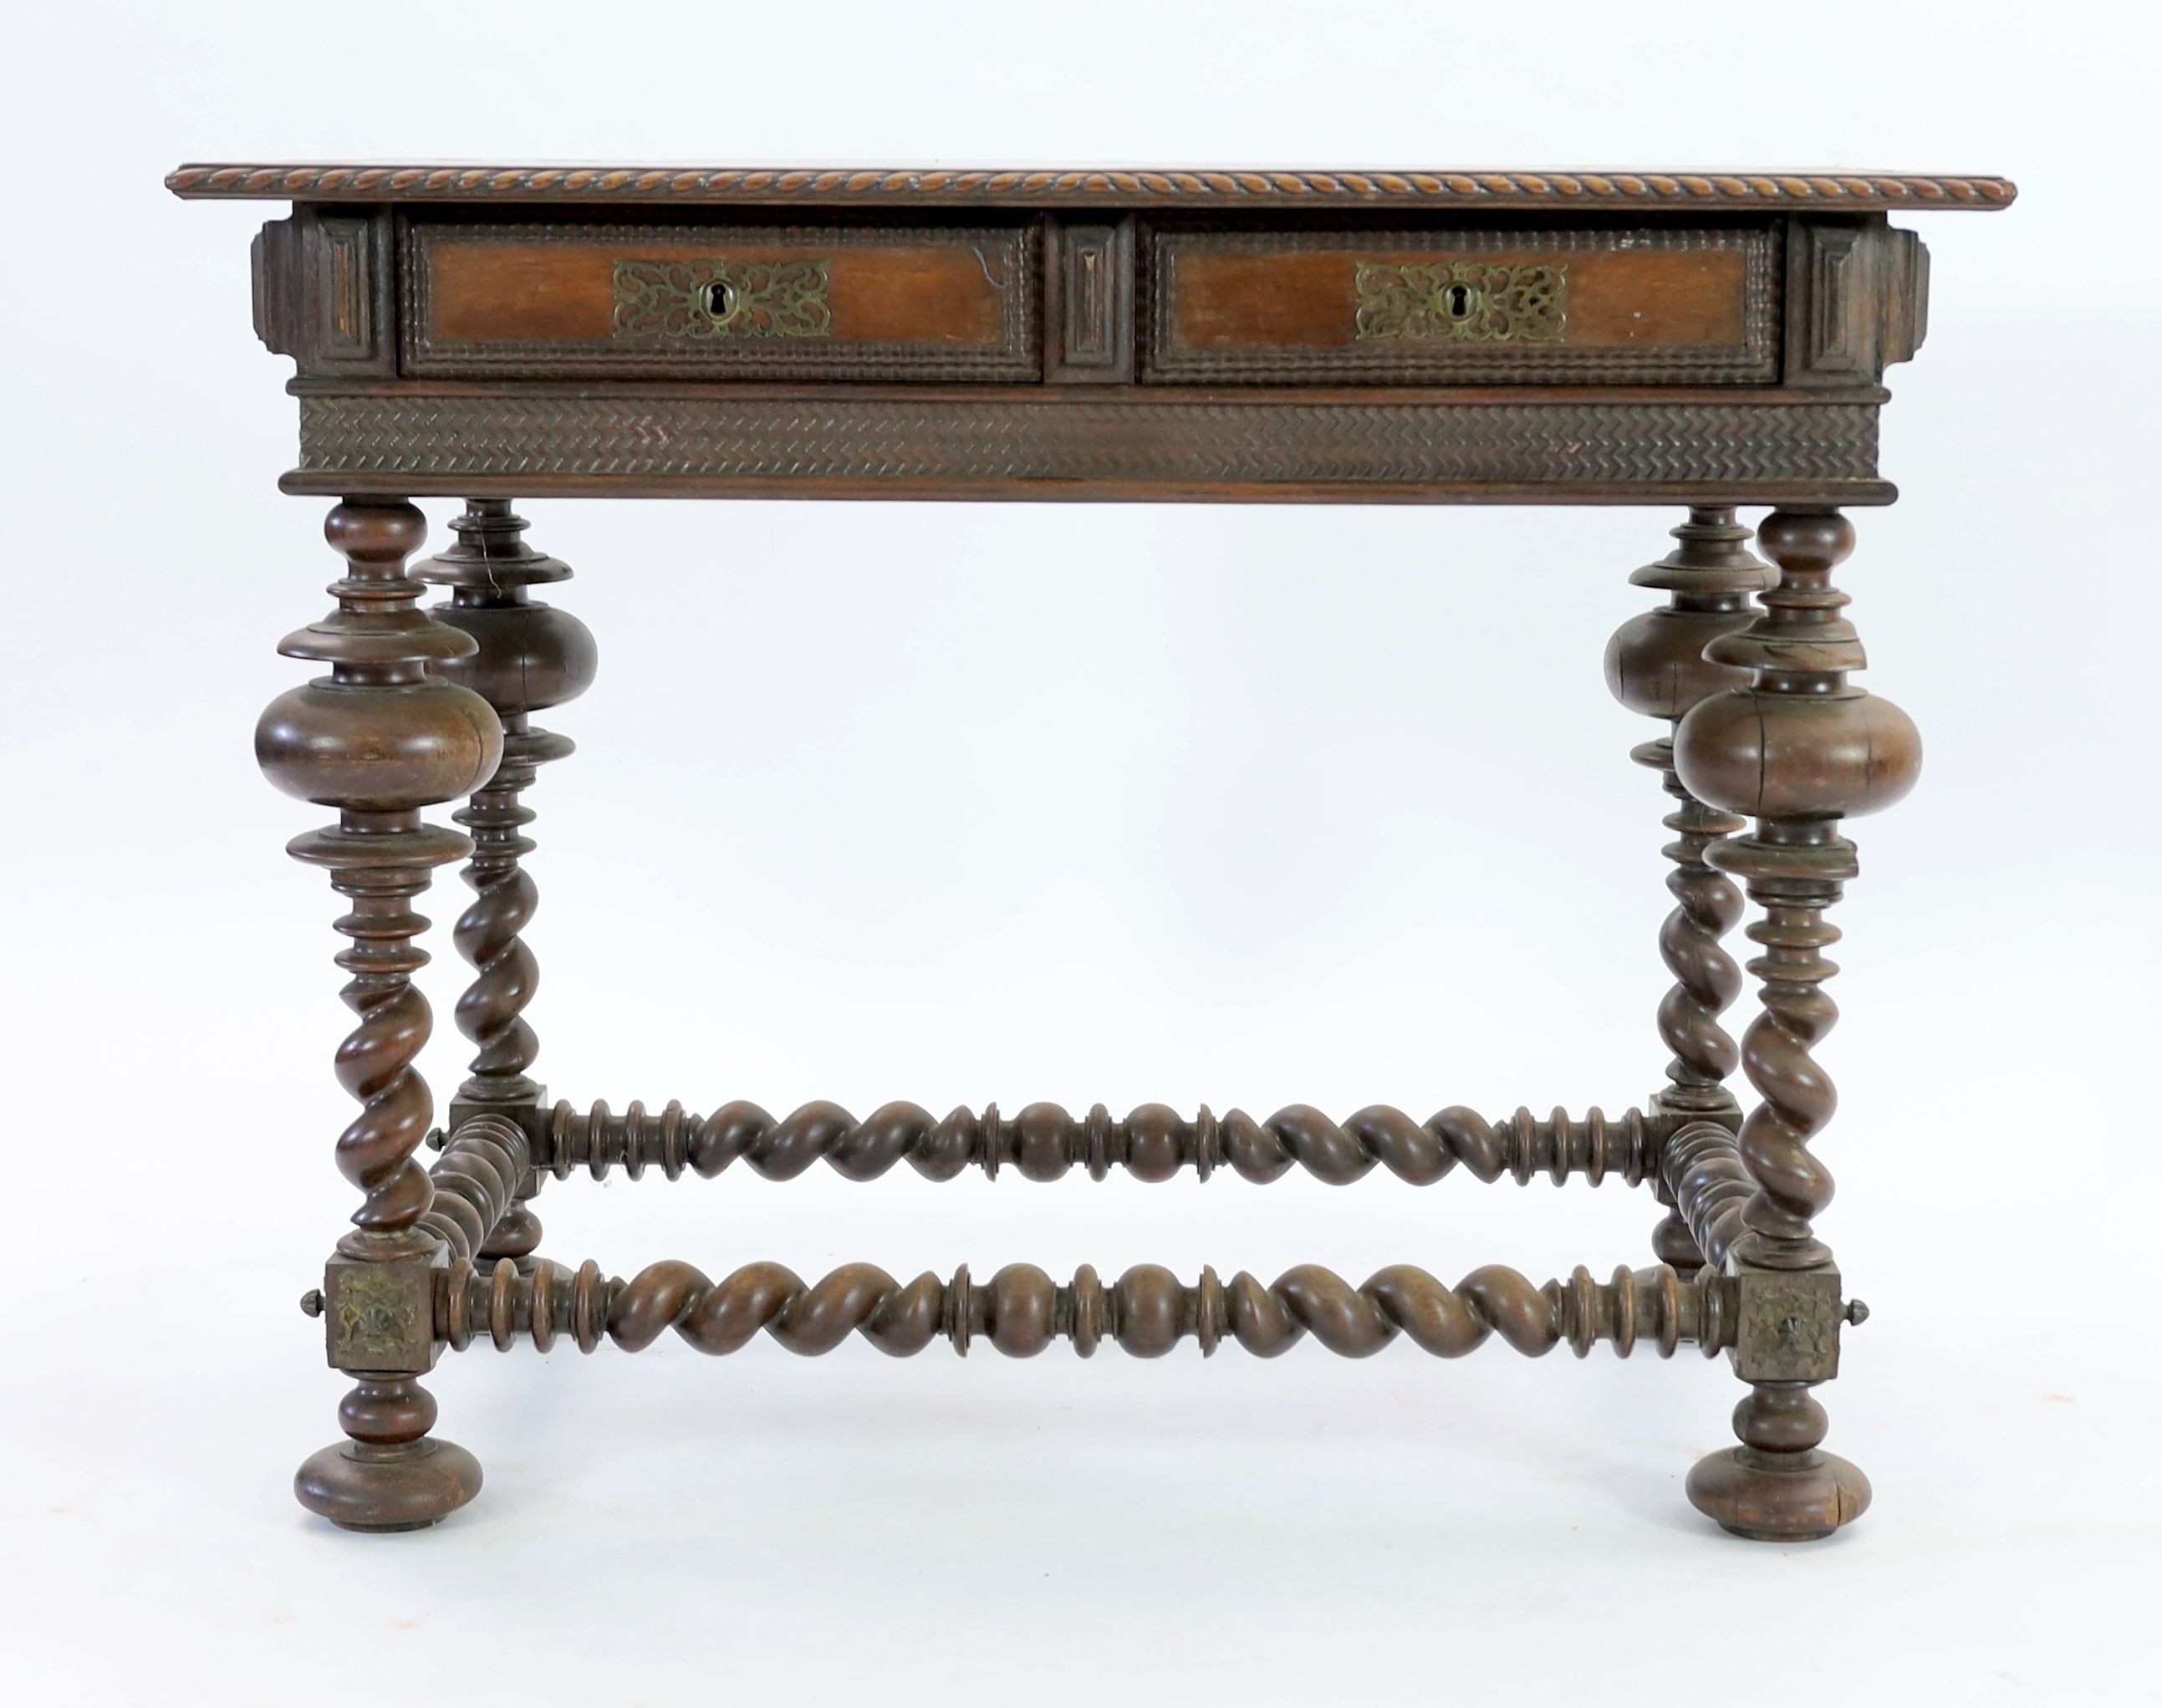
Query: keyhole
(720, 299)
(1456, 302)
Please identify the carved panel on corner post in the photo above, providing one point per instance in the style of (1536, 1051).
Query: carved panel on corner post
(322, 291)
(1857, 301)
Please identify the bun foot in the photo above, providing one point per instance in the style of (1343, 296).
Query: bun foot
(1779, 1497)
(409, 1486)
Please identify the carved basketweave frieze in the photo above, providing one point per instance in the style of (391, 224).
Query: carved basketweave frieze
(1006, 439)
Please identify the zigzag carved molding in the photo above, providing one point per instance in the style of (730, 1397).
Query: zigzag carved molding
(1016, 440)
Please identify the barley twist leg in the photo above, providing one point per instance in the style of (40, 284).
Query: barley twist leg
(379, 738)
(1798, 750)
(528, 656)
(1655, 666)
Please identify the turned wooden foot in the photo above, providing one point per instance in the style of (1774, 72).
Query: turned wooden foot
(1779, 1485)
(392, 1475)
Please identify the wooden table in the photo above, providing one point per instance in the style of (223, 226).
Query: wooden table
(1702, 340)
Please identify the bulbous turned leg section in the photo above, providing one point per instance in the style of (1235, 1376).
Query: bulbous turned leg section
(1779, 1485)
(392, 1475)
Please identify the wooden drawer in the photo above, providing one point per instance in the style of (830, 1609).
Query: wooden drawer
(1445, 307)
(714, 300)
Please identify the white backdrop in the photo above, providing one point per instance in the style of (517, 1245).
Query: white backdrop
(955, 804)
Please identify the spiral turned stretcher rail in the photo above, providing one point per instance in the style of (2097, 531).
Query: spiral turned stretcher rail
(1153, 1142)
(1021, 1309)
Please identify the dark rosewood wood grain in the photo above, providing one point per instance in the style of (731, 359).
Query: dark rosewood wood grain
(1304, 300)
(931, 303)
(1706, 340)
(1646, 305)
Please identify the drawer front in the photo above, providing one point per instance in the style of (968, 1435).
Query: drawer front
(1463, 307)
(775, 302)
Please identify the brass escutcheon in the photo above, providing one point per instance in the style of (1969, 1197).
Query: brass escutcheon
(717, 299)
(1460, 300)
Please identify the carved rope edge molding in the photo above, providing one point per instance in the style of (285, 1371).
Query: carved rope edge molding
(305, 183)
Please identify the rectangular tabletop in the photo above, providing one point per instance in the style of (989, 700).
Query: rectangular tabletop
(1122, 333)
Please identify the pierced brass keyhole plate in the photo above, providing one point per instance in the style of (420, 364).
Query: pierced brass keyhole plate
(717, 299)
(1462, 301)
